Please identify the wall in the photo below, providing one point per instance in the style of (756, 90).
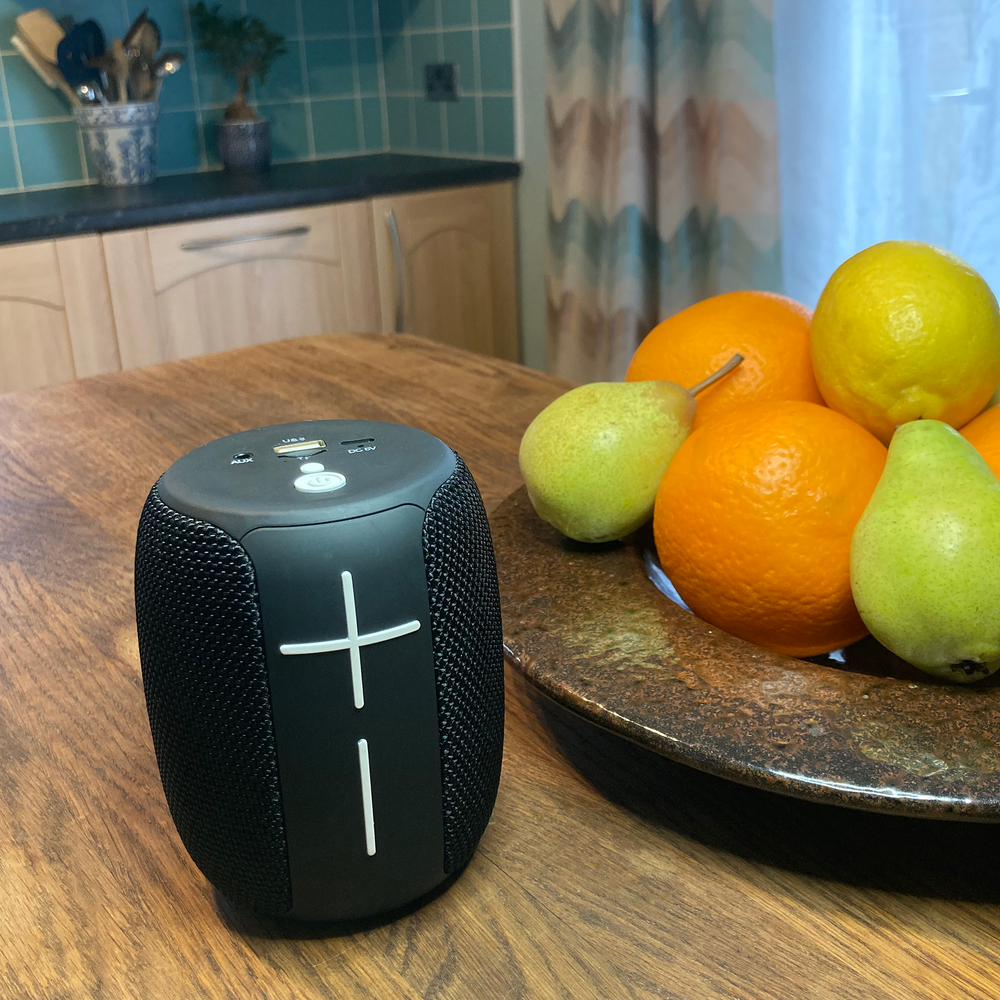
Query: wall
(532, 189)
(351, 81)
(476, 35)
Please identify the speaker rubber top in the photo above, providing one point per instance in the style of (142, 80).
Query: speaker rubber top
(311, 472)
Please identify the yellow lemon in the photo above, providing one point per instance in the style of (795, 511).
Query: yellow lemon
(905, 330)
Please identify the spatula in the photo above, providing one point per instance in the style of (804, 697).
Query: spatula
(41, 31)
(82, 44)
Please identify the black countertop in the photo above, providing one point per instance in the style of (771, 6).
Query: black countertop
(181, 198)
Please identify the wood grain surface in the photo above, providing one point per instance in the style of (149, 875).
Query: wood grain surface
(606, 872)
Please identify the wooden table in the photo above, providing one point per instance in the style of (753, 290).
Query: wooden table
(606, 871)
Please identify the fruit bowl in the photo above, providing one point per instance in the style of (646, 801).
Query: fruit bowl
(589, 628)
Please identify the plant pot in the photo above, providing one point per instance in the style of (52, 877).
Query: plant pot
(244, 145)
(120, 141)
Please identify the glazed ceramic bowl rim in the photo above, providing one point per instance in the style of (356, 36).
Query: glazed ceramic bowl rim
(587, 626)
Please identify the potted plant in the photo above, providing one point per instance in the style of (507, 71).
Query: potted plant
(245, 48)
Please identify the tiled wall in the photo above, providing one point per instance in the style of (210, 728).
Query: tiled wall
(351, 81)
(474, 34)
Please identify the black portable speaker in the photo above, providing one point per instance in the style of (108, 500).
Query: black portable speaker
(322, 657)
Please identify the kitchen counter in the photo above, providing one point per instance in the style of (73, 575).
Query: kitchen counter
(38, 215)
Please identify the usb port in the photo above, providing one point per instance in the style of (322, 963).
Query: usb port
(300, 448)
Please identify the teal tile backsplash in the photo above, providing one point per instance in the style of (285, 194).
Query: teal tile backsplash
(463, 133)
(331, 67)
(456, 13)
(180, 150)
(352, 81)
(371, 122)
(495, 61)
(498, 126)
(400, 126)
(476, 36)
(50, 153)
(8, 169)
(335, 126)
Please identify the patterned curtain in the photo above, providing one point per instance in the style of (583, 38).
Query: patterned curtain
(663, 180)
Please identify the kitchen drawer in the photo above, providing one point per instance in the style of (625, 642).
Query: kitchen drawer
(179, 252)
(195, 288)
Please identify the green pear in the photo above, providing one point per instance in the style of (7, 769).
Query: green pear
(925, 556)
(593, 459)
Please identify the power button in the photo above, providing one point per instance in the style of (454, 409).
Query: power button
(319, 482)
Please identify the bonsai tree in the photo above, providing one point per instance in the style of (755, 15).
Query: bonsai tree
(245, 48)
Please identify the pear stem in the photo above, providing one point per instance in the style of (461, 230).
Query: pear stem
(736, 359)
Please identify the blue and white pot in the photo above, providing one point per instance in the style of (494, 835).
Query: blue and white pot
(120, 141)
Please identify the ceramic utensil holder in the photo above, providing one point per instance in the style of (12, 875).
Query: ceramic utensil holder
(120, 141)
(244, 145)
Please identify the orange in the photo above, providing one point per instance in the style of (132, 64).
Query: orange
(770, 331)
(753, 523)
(983, 434)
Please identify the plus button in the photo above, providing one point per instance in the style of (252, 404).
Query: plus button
(352, 641)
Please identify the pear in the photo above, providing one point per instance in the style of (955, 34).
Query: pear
(593, 459)
(925, 555)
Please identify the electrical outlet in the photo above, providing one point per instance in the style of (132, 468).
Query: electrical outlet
(442, 81)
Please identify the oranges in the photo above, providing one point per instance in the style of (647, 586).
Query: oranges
(770, 331)
(983, 434)
(753, 523)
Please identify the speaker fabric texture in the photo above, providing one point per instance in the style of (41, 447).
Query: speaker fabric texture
(323, 671)
(205, 680)
(465, 623)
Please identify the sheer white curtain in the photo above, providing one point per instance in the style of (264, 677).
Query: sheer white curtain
(888, 128)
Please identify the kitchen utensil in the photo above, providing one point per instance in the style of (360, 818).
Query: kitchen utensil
(48, 73)
(91, 94)
(131, 37)
(140, 80)
(860, 728)
(106, 67)
(116, 64)
(146, 41)
(76, 52)
(120, 61)
(141, 43)
(41, 31)
(128, 39)
(166, 65)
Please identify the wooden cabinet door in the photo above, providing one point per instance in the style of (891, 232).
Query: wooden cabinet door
(195, 288)
(448, 270)
(55, 313)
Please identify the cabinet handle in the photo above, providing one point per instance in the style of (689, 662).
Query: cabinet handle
(397, 253)
(225, 241)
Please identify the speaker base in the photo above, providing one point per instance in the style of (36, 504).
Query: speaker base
(246, 922)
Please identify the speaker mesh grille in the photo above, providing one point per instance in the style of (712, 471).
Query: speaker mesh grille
(205, 678)
(468, 659)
